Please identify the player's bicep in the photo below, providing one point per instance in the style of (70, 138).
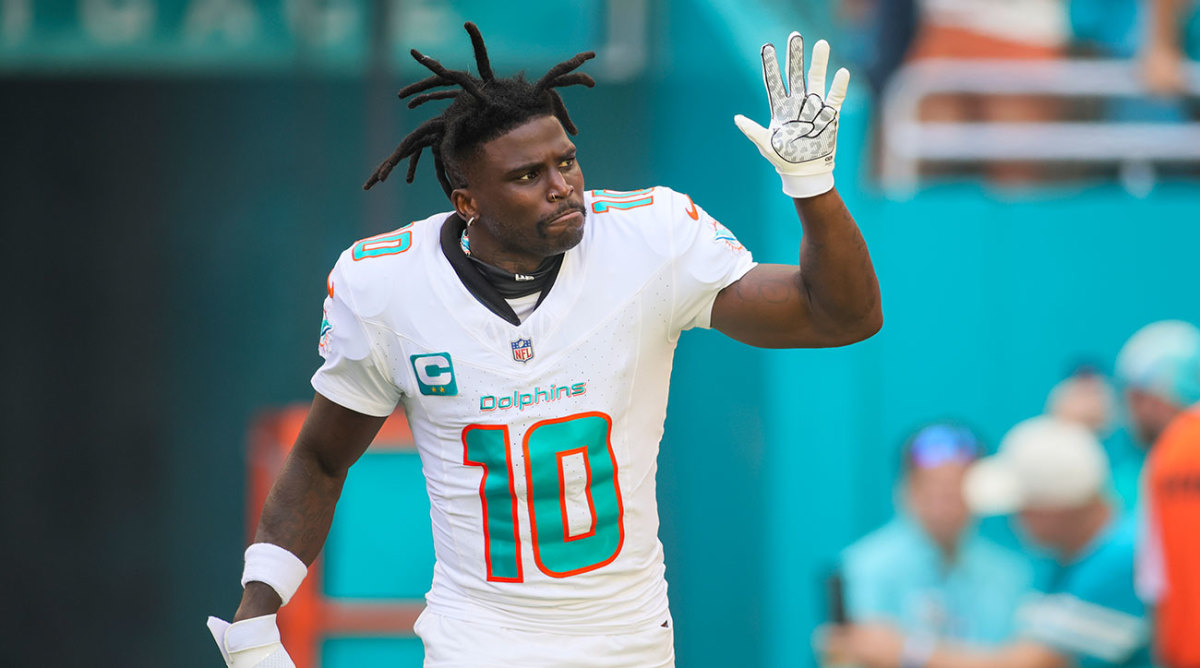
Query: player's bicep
(334, 436)
(769, 308)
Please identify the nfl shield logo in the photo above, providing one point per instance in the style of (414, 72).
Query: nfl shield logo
(522, 350)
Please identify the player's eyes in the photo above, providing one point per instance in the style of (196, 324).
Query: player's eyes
(565, 163)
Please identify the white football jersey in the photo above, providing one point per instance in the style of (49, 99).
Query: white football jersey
(538, 442)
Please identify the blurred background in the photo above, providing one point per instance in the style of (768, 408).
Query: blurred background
(178, 177)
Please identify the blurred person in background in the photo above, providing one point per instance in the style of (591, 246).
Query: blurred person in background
(1085, 613)
(1089, 398)
(1012, 30)
(990, 30)
(1164, 53)
(1168, 574)
(1147, 367)
(1158, 34)
(880, 33)
(1144, 374)
(928, 571)
(1085, 397)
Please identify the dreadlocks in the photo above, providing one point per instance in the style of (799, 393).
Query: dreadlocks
(483, 108)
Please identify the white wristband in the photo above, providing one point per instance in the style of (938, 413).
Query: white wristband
(274, 566)
(807, 185)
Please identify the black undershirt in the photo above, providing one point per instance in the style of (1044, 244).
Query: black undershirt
(489, 285)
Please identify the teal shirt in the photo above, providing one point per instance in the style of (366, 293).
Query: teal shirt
(1088, 609)
(1126, 458)
(896, 574)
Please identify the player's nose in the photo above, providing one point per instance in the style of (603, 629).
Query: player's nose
(557, 186)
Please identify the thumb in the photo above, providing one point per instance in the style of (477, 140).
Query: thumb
(753, 131)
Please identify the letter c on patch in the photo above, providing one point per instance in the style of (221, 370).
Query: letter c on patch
(435, 374)
(433, 370)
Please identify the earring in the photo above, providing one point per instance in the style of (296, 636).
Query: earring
(470, 220)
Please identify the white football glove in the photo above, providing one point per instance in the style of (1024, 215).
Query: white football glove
(250, 643)
(802, 139)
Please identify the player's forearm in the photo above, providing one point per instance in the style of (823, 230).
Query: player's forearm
(836, 270)
(296, 516)
(299, 509)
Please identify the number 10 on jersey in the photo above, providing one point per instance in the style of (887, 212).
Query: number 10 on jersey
(571, 490)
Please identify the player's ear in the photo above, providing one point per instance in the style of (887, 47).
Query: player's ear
(464, 203)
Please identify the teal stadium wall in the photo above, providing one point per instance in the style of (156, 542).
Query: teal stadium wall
(221, 201)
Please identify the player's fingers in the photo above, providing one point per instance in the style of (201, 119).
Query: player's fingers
(837, 90)
(771, 78)
(816, 69)
(755, 132)
(823, 120)
(795, 64)
(812, 107)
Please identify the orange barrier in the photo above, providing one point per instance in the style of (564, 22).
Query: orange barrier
(310, 616)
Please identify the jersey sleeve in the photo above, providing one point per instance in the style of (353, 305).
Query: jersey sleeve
(708, 258)
(1096, 618)
(351, 375)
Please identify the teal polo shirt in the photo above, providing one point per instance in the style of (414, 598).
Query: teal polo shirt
(897, 575)
(1088, 608)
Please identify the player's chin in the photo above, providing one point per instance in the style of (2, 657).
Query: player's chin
(565, 232)
(564, 240)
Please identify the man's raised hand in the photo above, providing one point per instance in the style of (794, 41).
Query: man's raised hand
(802, 139)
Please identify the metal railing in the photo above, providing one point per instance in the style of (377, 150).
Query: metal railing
(907, 141)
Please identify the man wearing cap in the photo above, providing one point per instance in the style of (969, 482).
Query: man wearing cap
(928, 571)
(1143, 373)
(1147, 367)
(1054, 474)
(1169, 550)
(1159, 369)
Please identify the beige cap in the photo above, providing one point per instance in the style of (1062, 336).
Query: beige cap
(1042, 462)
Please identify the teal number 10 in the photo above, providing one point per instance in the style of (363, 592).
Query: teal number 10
(569, 464)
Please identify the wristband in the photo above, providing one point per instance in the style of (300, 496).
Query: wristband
(276, 567)
(809, 185)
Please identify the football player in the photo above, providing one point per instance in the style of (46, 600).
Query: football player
(528, 334)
